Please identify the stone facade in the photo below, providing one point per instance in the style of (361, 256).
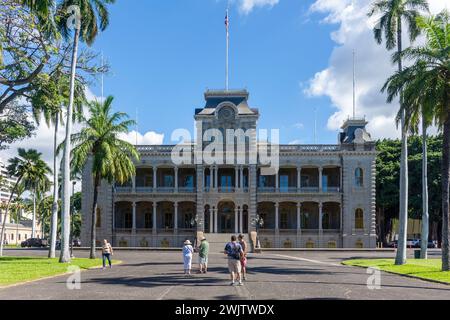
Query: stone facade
(320, 196)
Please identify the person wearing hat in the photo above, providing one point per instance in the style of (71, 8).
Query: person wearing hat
(203, 251)
(187, 257)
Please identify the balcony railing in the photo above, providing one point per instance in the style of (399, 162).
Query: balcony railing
(144, 189)
(309, 189)
(226, 189)
(266, 189)
(124, 189)
(165, 189)
(186, 189)
(288, 189)
(331, 189)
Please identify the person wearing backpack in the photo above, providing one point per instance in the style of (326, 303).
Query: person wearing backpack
(234, 252)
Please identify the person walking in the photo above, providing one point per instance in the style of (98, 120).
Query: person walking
(187, 257)
(234, 252)
(243, 244)
(203, 252)
(107, 252)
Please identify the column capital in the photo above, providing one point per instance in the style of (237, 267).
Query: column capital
(155, 204)
(277, 204)
(175, 204)
(299, 204)
(133, 204)
(320, 205)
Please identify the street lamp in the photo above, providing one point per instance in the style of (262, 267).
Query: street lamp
(72, 209)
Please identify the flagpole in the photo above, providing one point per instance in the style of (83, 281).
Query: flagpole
(228, 47)
(354, 86)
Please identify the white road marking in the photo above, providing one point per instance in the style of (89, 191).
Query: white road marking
(309, 260)
(165, 293)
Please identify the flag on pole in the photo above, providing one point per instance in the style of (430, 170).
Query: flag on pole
(227, 21)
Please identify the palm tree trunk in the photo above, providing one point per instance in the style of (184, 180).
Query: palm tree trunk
(403, 212)
(425, 216)
(54, 221)
(93, 219)
(2, 233)
(33, 226)
(445, 189)
(65, 216)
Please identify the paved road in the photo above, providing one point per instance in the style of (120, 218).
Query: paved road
(274, 275)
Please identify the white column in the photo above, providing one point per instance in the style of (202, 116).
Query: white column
(133, 226)
(241, 178)
(236, 220)
(299, 177)
(277, 182)
(155, 173)
(277, 222)
(155, 205)
(236, 178)
(215, 219)
(133, 181)
(211, 220)
(176, 179)
(175, 226)
(241, 221)
(320, 216)
(320, 179)
(299, 223)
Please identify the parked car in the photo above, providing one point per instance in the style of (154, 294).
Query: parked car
(34, 243)
(76, 243)
(392, 244)
(411, 243)
(431, 244)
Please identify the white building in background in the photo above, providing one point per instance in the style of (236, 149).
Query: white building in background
(322, 196)
(16, 231)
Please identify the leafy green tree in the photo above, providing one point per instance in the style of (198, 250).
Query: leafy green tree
(428, 80)
(393, 13)
(112, 158)
(27, 167)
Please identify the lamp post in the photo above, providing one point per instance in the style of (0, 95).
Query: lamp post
(72, 209)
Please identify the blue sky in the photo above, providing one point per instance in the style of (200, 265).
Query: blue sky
(165, 56)
(292, 55)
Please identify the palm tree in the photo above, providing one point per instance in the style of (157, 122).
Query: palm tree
(48, 102)
(26, 167)
(427, 81)
(393, 13)
(112, 157)
(92, 16)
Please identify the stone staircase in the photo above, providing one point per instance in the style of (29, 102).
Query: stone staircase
(217, 241)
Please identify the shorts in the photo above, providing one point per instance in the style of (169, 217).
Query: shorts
(234, 265)
(244, 262)
(203, 260)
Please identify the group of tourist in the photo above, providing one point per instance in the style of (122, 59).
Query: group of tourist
(235, 250)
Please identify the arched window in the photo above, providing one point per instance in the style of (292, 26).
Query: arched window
(98, 218)
(359, 219)
(359, 180)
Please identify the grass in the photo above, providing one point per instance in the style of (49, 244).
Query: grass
(15, 270)
(429, 269)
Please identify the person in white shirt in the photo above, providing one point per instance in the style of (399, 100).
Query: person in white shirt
(188, 250)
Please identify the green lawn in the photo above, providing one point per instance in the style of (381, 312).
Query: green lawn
(20, 269)
(425, 269)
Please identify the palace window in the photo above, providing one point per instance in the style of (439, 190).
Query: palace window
(359, 180)
(128, 220)
(148, 222)
(284, 220)
(359, 219)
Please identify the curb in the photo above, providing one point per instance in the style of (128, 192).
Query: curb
(402, 275)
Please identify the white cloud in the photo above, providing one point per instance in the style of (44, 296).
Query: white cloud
(149, 138)
(373, 66)
(246, 6)
(299, 125)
